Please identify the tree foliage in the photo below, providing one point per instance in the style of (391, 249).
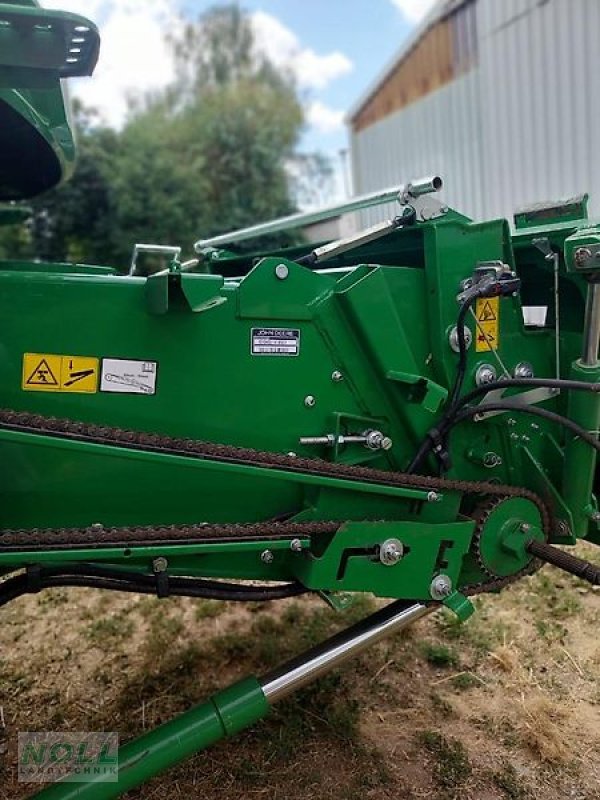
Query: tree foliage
(205, 156)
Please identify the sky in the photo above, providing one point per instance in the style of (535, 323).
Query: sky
(335, 48)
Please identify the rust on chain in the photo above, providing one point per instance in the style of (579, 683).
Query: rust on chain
(98, 536)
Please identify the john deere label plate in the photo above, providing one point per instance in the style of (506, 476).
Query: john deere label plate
(275, 342)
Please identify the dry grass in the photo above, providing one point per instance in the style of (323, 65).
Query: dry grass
(507, 706)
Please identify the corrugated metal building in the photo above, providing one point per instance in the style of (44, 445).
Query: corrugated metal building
(499, 97)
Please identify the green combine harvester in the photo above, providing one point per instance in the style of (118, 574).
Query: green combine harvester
(378, 415)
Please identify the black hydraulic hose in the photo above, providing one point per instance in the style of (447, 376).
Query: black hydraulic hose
(447, 419)
(454, 397)
(462, 352)
(91, 576)
(551, 416)
(532, 383)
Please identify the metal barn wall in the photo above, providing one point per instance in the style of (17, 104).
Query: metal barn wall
(439, 135)
(516, 129)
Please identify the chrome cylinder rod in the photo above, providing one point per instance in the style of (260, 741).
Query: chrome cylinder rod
(591, 326)
(312, 664)
(400, 193)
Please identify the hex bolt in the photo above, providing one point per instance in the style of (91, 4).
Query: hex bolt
(97, 527)
(581, 255)
(525, 527)
(433, 497)
(486, 373)
(453, 338)
(160, 564)
(296, 546)
(375, 440)
(309, 401)
(336, 376)
(595, 517)
(291, 454)
(282, 271)
(523, 370)
(440, 587)
(390, 552)
(267, 557)
(491, 459)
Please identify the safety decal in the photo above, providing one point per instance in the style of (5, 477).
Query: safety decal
(46, 372)
(275, 342)
(487, 312)
(127, 376)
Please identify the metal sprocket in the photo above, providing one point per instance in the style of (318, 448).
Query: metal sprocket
(482, 516)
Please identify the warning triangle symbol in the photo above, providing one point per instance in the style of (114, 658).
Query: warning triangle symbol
(487, 314)
(42, 375)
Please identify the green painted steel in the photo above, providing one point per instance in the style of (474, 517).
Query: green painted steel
(373, 352)
(260, 352)
(224, 714)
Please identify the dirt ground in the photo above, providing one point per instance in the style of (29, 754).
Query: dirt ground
(506, 706)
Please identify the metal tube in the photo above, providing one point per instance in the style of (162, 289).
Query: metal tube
(303, 218)
(591, 327)
(233, 709)
(356, 239)
(556, 267)
(224, 714)
(316, 662)
(433, 183)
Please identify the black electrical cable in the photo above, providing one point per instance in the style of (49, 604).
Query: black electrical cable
(532, 383)
(462, 351)
(92, 576)
(551, 416)
(446, 421)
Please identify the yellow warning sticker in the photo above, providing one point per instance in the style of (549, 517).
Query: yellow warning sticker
(487, 312)
(44, 372)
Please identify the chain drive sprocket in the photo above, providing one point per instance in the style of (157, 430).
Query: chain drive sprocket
(482, 515)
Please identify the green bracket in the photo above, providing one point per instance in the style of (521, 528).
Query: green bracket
(339, 601)
(37, 43)
(426, 392)
(350, 562)
(461, 605)
(169, 288)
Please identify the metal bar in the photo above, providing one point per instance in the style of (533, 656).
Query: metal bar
(303, 218)
(207, 463)
(555, 266)
(298, 672)
(591, 327)
(224, 714)
(233, 709)
(371, 234)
